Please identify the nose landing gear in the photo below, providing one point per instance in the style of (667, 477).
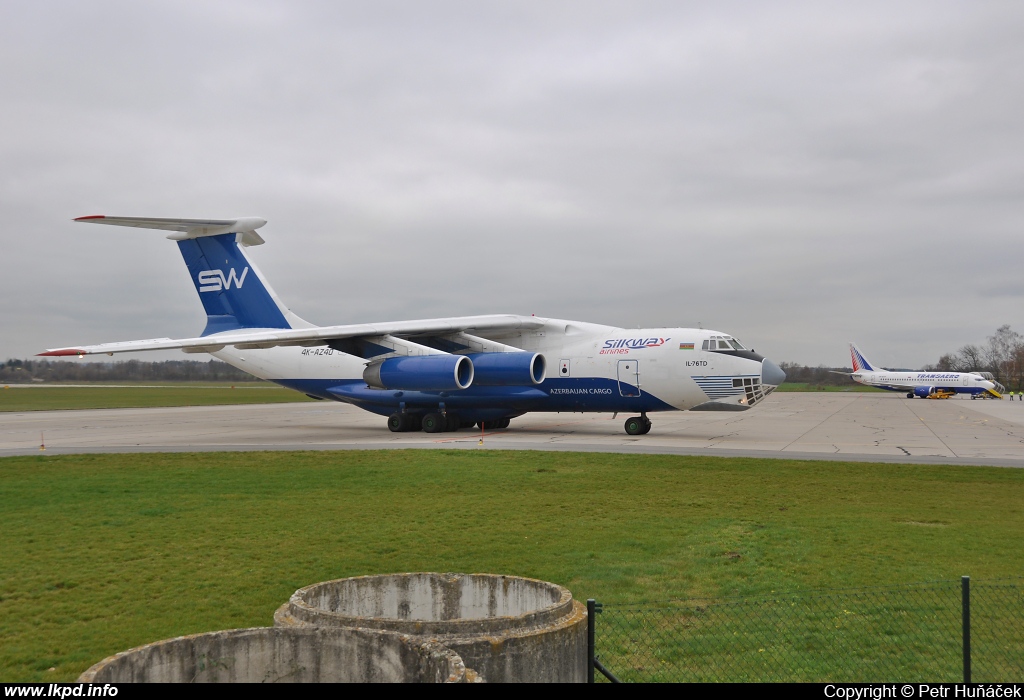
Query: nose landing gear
(638, 425)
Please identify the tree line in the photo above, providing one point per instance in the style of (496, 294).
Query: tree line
(1002, 355)
(28, 371)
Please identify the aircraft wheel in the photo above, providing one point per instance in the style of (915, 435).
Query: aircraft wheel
(502, 423)
(910, 394)
(635, 426)
(452, 423)
(398, 423)
(434, 423)
(466, 424)
(647, 427)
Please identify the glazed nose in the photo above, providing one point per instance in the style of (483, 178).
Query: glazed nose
(771, 373)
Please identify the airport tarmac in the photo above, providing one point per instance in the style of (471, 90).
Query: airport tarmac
(852, 426)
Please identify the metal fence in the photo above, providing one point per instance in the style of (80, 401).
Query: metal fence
(939, 631)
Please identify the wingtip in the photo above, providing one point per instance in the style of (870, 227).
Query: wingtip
(90, 217)
(66, 352)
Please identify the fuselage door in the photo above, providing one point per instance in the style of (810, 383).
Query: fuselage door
(629, 378)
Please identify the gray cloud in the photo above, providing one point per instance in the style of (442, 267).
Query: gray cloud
(799, 174)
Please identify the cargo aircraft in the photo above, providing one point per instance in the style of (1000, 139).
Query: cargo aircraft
(445, 373)
(920, 384)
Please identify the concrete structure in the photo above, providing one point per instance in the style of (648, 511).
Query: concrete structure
(506, 628)
(855, 426)
(284, 655)
(401, 628)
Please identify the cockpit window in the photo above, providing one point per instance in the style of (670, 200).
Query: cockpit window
(722, 342)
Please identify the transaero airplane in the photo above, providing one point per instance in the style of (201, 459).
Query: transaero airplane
(921, 384)
(445, 373)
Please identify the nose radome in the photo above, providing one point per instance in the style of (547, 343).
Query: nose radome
(771, 373)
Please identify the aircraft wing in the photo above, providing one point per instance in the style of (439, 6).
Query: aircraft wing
(249, 339)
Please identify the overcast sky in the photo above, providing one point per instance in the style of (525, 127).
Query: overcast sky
(796, 174)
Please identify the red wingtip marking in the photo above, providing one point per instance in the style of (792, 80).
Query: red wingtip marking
(94, 216)
(61, 353)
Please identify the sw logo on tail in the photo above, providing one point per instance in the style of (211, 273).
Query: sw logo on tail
(216, 280)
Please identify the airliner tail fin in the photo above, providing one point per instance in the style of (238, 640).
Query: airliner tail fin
(861, 363)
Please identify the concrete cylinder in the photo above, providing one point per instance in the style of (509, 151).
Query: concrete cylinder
(285, 655)
(506, 628)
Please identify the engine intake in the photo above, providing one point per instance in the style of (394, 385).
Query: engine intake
(924, 391)
(508, 368)
(421, 373)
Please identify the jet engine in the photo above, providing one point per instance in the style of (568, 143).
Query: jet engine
(421, 373)
(508, 368)
(923, 392)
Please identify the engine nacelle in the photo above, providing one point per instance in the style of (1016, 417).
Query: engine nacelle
(421, 373)
(923, 391)
(508, 368)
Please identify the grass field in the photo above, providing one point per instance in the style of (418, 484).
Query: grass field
(104, 552)
(53, 398)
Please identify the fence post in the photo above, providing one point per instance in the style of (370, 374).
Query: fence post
(965, 588)
(591, 623)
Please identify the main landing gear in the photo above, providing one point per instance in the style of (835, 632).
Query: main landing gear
(910, 394)
(404, 422)
(438, 423)
(638, 425)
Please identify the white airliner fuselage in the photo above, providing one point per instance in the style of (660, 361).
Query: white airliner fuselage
(918, 384)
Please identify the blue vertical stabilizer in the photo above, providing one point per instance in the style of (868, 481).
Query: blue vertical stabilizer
(230, 287)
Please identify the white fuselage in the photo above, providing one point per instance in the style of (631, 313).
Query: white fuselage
(956, 382)
(589, 367)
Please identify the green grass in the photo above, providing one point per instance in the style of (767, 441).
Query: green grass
(104, 552)
(55, 398)
(805, 386)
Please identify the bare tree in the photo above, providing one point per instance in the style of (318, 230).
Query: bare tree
(1000, 350)
(969, 358)
(1003, 356)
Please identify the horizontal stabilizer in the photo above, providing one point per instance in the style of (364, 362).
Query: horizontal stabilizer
(185, 229)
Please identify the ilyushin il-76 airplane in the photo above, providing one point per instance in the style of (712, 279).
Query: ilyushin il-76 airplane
(921, 384)
(445, 373)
